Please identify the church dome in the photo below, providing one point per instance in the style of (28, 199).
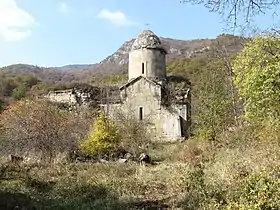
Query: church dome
(147, 39)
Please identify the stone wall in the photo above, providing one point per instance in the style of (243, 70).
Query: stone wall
(165, 123)
(154, 64)
(86, 95)
(62, 96)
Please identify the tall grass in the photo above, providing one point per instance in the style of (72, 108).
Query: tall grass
(241, 172)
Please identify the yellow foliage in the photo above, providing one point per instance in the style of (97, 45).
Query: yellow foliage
(103, 139)
(269, 130)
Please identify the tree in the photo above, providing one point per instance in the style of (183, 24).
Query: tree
(235, 10)
(103, 139)
(15, 87)
(257, 70)
(215, 108)
(222, 53)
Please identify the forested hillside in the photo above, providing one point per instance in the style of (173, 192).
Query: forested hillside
(116, 63)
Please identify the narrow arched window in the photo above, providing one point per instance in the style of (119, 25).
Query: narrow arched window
(140, 113)
(143, 68)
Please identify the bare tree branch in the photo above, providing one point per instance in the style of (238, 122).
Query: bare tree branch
(238, 10)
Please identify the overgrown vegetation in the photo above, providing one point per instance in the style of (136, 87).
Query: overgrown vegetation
(232, 179)
(135, 135)
(215, 111)
(103, 139)
(257, 71)
(230, 162)
(14, 87)
(38, 128)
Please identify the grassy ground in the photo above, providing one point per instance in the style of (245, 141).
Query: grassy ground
(188, 176)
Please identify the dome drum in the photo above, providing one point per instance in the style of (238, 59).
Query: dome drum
(147, 57)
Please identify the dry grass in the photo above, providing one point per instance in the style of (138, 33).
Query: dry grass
(192, 175)
(120, 183)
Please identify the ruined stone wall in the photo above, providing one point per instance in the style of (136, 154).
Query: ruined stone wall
(164, 123)
(63, 96)
(85, 95)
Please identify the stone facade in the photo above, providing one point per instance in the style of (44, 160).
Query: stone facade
(82, 95)
(147, 94)
(147, 62)
(62, 96)
(147, 57)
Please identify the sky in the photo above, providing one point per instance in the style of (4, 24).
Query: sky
(63, 32)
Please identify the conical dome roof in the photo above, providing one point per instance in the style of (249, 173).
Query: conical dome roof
(147, 39)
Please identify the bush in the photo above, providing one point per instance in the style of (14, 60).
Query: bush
(251, 133)
(257, 191)
(269, 130)
(19, 92)
(191, 153)
(215, 109)
(134, 132)
(103, 139)
(39, 127)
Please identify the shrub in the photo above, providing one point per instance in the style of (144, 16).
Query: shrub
(251, 133)
(39, 126)
(215, 109)
(19, 92)
(257, 191)
(254, 190)
(269, 130)
(191, 153)
(103, 139)
(134, 132)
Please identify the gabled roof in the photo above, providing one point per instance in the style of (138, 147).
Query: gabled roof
(137, 79)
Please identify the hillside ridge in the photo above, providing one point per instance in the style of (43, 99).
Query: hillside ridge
(116, 63)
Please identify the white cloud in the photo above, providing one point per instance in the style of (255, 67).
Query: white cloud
(64, 8)
(117, 18)
(15, 23)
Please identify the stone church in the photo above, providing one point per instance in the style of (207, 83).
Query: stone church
(152, 96)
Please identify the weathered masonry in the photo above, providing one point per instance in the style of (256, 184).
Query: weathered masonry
(152, 96)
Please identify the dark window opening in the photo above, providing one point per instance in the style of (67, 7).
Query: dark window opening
(141, 113)
(182, 126)
(143, 68)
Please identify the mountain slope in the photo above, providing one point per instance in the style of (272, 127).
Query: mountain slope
(117, 62)
(178, 48)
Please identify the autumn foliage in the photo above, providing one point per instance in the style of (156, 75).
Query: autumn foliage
(257, 70)
(103, 139)
(40, 127)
